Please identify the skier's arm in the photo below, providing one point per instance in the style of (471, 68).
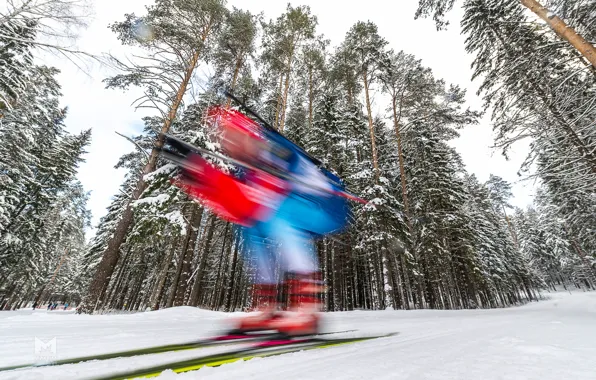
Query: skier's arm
(223, 193)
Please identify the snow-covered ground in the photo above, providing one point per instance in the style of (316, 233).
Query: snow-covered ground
(553, 339)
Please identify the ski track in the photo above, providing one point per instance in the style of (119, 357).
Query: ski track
(549, 340)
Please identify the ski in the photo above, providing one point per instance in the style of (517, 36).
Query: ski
(257, 350)
(218, 340)
(231, 338)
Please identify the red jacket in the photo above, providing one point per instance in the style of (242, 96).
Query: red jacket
(240, 202)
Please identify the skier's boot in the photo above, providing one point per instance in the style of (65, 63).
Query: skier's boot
(304, 293)
(265, 304)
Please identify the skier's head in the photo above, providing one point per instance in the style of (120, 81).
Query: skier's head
(241, 137)
(240, 145)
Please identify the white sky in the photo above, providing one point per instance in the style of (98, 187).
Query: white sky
(107, 111)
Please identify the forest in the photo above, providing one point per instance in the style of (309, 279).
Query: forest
(432, 235)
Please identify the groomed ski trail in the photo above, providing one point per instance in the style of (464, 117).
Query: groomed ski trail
(549, 340)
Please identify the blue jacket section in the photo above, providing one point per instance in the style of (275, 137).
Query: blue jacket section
(312, 208)
(318, 212)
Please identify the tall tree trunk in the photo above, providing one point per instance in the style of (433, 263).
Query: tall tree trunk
(112, 252)
(408, 297)
(109, 296)
(240, 293)
(580, 252)
(49, 284)
(339, 262)
(347, 277)
(196, 288)
(195, 222)
(231, 288)
(329, 251)
(563, 30)
(176, 298)
(38, 296)
(310, 97)
(513, 235)
(161, 279)
(399, 283)
(239, 63)
(218, 291)
(279, 101)
(282, 119)
(174, 285)
(400, 155)
(137, 283)
(371, 127)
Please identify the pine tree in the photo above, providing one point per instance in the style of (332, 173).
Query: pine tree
(565, 31)
(235, 46)
(282, 43)
(532, 242)
(547, 101)
(60, 270)
(366, 47)
(437, 197)
(551, 92)
(562, 220)
(504, 269)
(43, 227)
(37, 166)
(410, 87)
(540, 90)
(39, 162)
(313, 68)
(16, 41)
(176, 34)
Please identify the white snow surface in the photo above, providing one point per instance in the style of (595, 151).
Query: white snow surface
(549, 340)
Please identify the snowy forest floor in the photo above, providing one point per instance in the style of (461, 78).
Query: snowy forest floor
(552, 339)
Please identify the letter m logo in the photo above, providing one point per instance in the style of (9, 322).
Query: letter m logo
(45, 348)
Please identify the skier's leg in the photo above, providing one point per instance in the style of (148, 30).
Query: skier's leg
(297, 253)
(294, 225)
(258, 248)
(298, 219)
(299, 262)
(265, 287)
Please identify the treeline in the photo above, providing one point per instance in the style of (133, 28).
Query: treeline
(43, 212)
(434, 236)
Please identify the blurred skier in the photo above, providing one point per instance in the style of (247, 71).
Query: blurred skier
(282, 200)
